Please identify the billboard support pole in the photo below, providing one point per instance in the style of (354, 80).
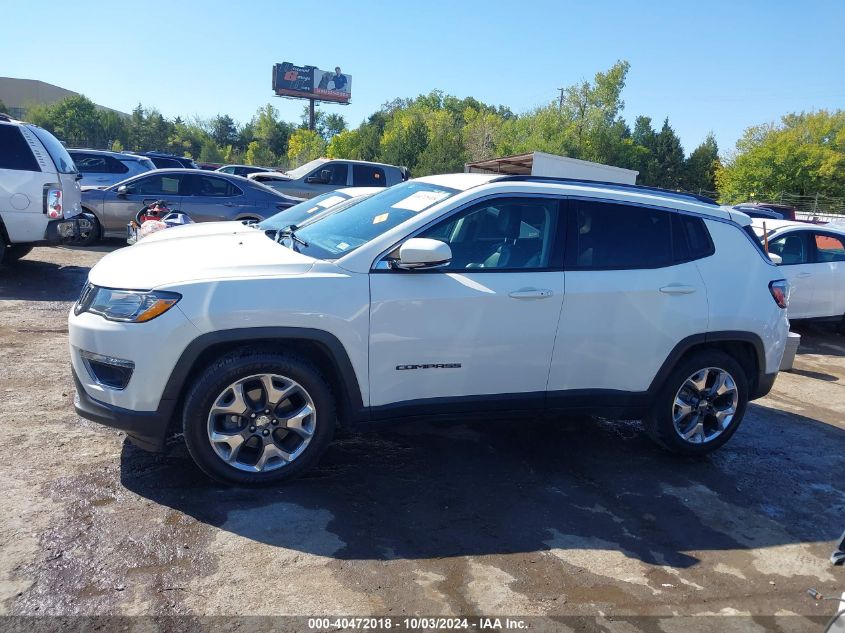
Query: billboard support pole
(311, 116)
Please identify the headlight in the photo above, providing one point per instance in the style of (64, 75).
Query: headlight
(130, 306)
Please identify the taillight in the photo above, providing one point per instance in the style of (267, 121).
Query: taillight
(780, 292)
(53, 202)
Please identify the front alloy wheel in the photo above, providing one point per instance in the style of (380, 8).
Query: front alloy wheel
(254, 417)
(261, 422)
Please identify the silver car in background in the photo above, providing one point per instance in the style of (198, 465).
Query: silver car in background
(100, 168)
(206, 196)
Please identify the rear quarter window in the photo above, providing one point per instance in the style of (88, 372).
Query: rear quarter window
(15, 153)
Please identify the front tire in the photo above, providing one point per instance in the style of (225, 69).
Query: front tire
(701, 404)
(256, 418)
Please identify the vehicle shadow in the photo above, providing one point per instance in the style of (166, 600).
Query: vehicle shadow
(37, 280)
(819, 338)
(435, 490)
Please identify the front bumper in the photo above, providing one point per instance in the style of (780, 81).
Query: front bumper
(146, 429)
(764, 385)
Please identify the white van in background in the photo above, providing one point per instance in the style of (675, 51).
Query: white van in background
(39, 189)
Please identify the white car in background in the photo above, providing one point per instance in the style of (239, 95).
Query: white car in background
(298, 214)
(813, 261)
(39, 189)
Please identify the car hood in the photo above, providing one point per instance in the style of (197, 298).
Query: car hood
(199, 229)
(148, 265)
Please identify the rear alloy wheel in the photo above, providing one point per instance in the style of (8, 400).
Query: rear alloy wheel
(701, 404)
(257, 418)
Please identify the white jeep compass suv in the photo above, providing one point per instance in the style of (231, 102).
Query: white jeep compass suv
(455, 295)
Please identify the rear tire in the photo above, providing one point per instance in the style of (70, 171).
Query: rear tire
(706, 418)
(250, 405)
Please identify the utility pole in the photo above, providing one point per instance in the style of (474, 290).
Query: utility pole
(311, 117)
(560, 103)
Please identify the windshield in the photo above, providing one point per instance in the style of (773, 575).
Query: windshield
(302, 211)
(57, 151)
(299, 172)
(338, 234)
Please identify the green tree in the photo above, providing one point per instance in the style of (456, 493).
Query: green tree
(701, 166)
(804, 154)
(259, 154)
(305, 145)
(3, 108)
(74, 120)
(669, 157)
(210, 152)
(346, 144)
(223, 130)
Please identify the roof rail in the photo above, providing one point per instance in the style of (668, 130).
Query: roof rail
(613, 185)
(5, 117)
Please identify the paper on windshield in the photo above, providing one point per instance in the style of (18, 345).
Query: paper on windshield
(420, 200)
(331, 201)
(312, 209)
(380, 218)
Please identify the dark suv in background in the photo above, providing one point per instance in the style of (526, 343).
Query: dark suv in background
(166, 161)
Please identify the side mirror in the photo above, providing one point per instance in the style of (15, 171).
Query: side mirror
(777, 260)
(420, 253)
(122, 190)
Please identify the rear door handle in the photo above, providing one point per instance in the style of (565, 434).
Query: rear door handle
(530, 293)
(678, 289)
(802, 275)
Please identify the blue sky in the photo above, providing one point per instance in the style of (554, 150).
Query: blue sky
(715, 65)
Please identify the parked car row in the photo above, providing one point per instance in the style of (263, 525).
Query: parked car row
(204, 196)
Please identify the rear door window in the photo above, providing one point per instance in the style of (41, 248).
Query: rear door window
(829, 248)
(367, 176)
(16, 153)
(90, 163)
(608, 236)
(214, 187)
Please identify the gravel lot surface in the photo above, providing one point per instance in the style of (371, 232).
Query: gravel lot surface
(531, 518)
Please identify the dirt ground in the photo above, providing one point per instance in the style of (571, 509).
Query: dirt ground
(540, 518)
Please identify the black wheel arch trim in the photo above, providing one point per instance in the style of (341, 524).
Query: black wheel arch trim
(181, 373)
(722, 336)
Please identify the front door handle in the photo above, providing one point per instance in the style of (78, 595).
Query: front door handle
(530, 293)
(803, 275)
(678, 289)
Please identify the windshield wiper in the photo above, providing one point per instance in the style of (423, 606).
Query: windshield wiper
(290, 231)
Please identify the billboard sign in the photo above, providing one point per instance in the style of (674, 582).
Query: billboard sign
(309, 82)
